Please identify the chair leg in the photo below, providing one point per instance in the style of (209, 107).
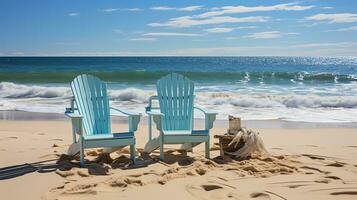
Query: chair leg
(133, 153)
(162, 157)
(207, 149)
(81, 152)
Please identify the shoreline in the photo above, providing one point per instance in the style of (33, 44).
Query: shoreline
(266, 124)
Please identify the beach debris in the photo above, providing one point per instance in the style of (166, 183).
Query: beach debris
(234, 125)
(240, 142)
(245, 143)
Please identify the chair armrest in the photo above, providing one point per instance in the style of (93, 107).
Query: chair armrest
(133, 118)
(148, 108)
(205, 111)
(77, 123)
(157, 117)
(153, 113)
(73, 115)
(210, 117)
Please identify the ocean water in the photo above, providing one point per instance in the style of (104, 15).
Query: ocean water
(309, 89)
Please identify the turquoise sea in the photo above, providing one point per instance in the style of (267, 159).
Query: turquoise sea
(311, 89)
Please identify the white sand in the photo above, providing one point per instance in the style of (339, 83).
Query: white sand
(305, 164)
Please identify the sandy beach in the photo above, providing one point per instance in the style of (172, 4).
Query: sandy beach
(305, 163)
(247, 100)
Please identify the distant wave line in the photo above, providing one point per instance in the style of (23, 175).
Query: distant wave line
(150, 77)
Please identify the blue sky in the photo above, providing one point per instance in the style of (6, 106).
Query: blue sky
(146, 27)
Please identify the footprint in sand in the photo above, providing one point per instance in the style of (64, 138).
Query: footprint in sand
(8, 138)
(260, 195)
(323, 180)
(336, 164)
(211, 187)
(81, 189)
(311, 145)
(211, 191)
(297, 186)
(344, 193)
(315, 169)
(333, 177)
(55, 139)
(314, 157)
(352, 146)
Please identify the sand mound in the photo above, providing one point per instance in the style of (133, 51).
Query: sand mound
(113, 166)
(108, 173)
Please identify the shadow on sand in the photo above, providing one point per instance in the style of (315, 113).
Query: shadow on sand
(19, 170)
(101, 165)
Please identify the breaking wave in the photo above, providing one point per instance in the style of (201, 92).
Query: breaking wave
(247, 103)
(279, 101)
(12, 90)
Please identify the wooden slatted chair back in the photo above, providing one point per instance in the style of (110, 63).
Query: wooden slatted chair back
(91, 98)
(176, 95)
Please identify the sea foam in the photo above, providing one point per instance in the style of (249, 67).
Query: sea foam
(12, 90)
(249, 102)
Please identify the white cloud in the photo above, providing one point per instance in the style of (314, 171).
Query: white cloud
(246, 27)
(171, 34)
(219, 30)
(292, 33)
(134, 9)
(244, 9)
(215, 15)
(162, 8)
(187, 9)
(227, 30)
(327, 7)
(109, 10)
(264, 35)
(143, 39)
(327, 44)
(190, 8)
(73, 14)
(231, 38)
(352, 28)
(188, 21)
(334, 18)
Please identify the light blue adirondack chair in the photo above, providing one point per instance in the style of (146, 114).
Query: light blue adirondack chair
(174, 117)
(90, 114)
